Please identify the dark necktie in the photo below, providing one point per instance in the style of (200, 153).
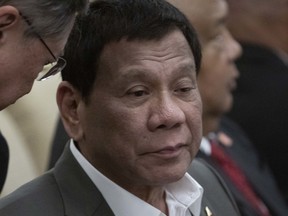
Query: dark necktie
(236, 175)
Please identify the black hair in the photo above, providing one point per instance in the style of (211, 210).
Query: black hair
(49, 18)
(112, 20)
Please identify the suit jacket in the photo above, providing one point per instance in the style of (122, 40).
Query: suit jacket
(217, 197)
(261, 107)
(4, 159)
(67, 190)
(257, 173)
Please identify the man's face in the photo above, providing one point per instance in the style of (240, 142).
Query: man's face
(142, 124)
(21, 60)
(217, 78)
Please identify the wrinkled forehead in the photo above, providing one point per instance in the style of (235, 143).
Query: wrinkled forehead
(145, 55)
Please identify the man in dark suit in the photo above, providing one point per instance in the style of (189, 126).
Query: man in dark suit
(261, 105)
(234, 142)
(216, 80)
(60, 138)
(129, 101)
(68, 191)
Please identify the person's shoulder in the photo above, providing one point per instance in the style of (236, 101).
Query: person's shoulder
(205, 174)
(40, 196)
(241, 141)
(216, 194)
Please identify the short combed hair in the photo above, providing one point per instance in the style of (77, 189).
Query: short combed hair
(112, 20)
(50, 18)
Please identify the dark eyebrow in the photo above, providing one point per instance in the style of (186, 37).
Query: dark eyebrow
(188, 67)
(137, 73)
(187, 71)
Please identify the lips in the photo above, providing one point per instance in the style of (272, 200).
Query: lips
(168, 152)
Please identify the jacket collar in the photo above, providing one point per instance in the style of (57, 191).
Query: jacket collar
(79, 194)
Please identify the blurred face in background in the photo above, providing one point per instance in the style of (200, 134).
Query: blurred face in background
(217, 78)
(218, 74)
(21, 57)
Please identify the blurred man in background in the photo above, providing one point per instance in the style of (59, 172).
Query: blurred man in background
(33, 34)
(261, 105)
(254, 187)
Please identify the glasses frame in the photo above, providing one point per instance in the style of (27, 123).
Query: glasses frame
(60, 62)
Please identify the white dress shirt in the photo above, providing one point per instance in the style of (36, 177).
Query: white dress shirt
(182, 196)
(205, 146)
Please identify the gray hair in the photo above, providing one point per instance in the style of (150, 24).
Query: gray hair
(50, 18)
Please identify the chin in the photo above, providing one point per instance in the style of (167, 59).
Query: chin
(228, 104)
(175, 174)
(169, 178)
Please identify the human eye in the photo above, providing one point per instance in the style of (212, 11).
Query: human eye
(186, 89)
(138, 92)
(218, 39)
(185, 93)
(184, 86)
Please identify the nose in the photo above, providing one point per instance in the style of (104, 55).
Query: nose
(233, 49)
(166, 113)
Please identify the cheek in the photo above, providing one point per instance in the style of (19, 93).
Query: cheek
(122, 134)
(33, 63)
(207, 87)
(115, 123)
(26, 74)
(212, 81)
(29, 74)
(194, 122)
(197, 125)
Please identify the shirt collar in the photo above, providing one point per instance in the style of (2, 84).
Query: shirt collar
(205, 146)
(186, 192)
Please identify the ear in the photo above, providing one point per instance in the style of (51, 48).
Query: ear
(9, 18)
(69, 100)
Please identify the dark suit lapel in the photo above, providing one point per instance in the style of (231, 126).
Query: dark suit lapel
(79, 194)
(216, 197)
(258, 174)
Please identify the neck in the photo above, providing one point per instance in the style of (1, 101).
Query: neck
(154, 195)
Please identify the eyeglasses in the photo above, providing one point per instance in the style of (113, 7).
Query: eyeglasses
(51, 68)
